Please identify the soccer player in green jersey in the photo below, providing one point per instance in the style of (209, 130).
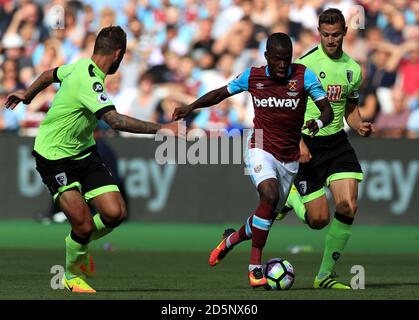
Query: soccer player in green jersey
(328, 159)
(65, 149)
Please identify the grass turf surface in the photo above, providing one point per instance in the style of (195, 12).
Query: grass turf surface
(169, 262)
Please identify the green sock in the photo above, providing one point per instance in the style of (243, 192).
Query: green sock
(336, 239)
(75, 255)
(296, 202)
(99, 229)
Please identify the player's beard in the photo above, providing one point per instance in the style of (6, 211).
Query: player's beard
(114, 66)
(335, 51)
(332, 49)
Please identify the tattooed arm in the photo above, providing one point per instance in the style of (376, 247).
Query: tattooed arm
(122, 122)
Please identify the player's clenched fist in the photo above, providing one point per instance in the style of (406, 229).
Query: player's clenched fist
(313, 126)
(366, 129)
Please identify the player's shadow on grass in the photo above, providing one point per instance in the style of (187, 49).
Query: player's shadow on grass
(140, 290)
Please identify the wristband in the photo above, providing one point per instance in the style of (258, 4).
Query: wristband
(319, 123)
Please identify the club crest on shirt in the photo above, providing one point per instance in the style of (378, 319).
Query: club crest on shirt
(257, 168)
(303, 186)
(61, 179)
(292, 87)
(292, 84)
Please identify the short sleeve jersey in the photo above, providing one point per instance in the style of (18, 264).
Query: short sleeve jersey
(67, 129)
(340, 78)
(279, 106)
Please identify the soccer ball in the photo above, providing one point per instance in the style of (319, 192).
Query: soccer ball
(279, 273)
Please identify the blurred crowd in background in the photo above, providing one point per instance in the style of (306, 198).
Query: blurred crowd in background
(180, 49)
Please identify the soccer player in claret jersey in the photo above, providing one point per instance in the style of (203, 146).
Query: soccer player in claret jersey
(65, 149)
(328, 159)
(279, 92)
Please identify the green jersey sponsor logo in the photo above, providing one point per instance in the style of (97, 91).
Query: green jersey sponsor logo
(334, 92)
(340, 78)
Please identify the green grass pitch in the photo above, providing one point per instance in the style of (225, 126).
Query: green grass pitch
(169, 262)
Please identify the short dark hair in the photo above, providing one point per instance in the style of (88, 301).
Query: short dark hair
(332, 16)
(110, 39)
(278, 39)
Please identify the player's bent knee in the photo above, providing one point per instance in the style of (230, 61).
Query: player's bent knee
(318, 223)
(270, 196)
(123, 214)
(348, 208)
(268, 192)
(84, 229)
(115, 215)
(272, 199)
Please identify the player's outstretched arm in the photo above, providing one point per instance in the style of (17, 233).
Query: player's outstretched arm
(209, 99)
(326, 117)
(354, 120)
(26, 96)
(122, 122)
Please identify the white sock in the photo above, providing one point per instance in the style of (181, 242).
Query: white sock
(254, 266)
(228, 244)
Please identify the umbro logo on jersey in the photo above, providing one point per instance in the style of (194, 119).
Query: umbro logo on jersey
(102, 98)
(97, 87)
(274, 102)
(259, 85)
(61, 179)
